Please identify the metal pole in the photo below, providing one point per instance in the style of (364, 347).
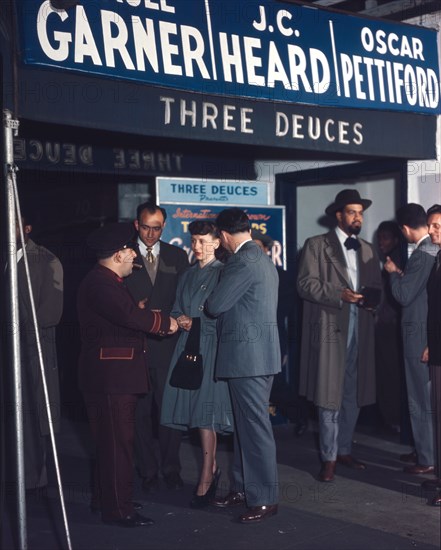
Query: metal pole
(10, 126)
(42, 369)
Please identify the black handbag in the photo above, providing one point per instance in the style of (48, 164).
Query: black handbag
(188, 371)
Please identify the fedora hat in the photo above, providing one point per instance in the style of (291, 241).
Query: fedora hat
(347, 196)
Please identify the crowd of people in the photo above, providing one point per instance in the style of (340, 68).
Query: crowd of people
(142, 307)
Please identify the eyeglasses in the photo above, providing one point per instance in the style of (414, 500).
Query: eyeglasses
(155, 229)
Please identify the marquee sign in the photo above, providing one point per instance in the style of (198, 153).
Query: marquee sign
(210, 191)
(263, 50)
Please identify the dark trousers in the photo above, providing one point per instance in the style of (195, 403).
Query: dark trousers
(435, 378)
(112, 422)
(169, 439)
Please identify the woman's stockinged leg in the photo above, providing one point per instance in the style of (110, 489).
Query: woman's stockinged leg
(209, 466)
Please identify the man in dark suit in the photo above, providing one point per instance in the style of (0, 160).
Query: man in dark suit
(46, 280)
(113, 369)
(245, 302)
(337, 364)
(155, 283)
(409, 290)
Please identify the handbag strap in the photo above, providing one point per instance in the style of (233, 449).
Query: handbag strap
(194, 336)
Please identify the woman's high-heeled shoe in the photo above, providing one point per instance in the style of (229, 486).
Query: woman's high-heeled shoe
(202, 501)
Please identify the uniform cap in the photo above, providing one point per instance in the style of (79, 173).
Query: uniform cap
(111, 237)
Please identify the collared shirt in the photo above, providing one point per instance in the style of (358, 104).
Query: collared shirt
(241, 244)
(143, 249)
(417, 244)
(411, 247)
(20, 254)
(350, 257)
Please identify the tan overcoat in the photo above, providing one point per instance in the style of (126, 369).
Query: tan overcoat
(321, 278)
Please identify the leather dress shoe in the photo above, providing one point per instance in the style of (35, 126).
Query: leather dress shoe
(232, 499)
(431, 484)
(328, 471)
(436, 501)
(419, 469)
(409, 457)
(150, 483)
(351, 462)
(173, 481)
(135, 520)
(95, 509)
(258, 513)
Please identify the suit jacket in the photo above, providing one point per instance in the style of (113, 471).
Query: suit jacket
(322, 276)
(245, 301)
(172, 262)
(46, 274)
(113, 335)
(409, 290)
(434, 314)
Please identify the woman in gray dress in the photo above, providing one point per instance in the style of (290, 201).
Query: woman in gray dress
(209, 407)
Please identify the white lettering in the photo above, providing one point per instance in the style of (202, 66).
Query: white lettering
(168, 49)
(245, 121)
(63, 38)
(193, 55)
(118, 42)
(231, 59)
(228, 117)
(144, 40)
(252, 62)
(282, 124)
(281, 15)
(276, 70)
(84, 41)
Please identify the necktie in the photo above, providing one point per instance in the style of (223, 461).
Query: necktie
(438, 261)
(352, 244)
(149, 255)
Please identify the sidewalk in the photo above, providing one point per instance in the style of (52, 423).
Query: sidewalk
(381, 508)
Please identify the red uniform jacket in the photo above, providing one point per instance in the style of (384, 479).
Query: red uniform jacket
(113, 330)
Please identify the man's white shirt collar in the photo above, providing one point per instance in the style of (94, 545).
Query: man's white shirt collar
(241, 244)
(143, 249)
(421, 240)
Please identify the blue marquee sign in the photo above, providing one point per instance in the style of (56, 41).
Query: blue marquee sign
(265, 50)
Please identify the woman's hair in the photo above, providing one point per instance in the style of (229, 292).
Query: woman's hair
(204, 227)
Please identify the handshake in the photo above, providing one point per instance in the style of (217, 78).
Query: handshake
(173, 323)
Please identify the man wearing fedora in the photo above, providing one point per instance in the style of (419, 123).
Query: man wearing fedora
(337, 364)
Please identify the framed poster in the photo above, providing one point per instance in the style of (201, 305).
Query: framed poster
(269, 220)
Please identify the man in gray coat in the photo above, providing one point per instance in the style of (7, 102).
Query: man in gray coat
(46, 279)
(245, 302)
(337, 365)
(409, 290)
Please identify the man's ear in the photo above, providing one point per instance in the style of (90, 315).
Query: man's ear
(27, 229)
(338, 215)
(136, 224)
